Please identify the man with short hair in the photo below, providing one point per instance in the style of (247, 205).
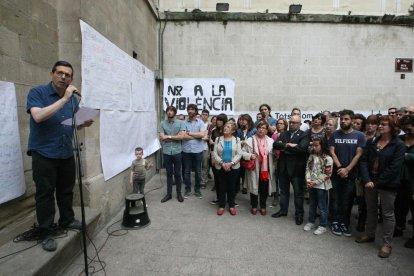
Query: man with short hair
(266, 115)
(327, 114)
(258, 116)
(291, 167)
(205, 163)
(296, 111)
(409, 110)
(400, 112)
(50, 145)
(193, 150)
(171, 133)
(392, 111)
(346, 146)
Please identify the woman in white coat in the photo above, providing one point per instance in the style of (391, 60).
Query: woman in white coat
(259, 147)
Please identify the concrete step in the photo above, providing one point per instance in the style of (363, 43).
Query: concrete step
(36, 261)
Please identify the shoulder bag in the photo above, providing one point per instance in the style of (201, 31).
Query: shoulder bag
(249, 164)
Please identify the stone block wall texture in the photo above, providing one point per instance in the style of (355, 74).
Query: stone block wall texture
(310, 65)
(371, 7)
(34, 35)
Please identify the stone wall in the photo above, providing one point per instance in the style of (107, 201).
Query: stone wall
(34, 35)
(310, 65)
(379, 7)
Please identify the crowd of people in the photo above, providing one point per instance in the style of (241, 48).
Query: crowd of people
(338, 160)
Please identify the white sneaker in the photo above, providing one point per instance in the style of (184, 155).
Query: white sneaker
(308, 226)
(320, 230)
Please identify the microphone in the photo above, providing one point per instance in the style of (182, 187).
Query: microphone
(76, 92)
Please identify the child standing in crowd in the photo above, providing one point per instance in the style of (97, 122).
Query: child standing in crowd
(138, 171)
(318, 174)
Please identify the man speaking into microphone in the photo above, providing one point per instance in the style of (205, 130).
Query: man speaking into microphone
(50, 145)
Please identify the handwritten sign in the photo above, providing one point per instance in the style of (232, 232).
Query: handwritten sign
(215, 95)
(12, 183)
(111, 79)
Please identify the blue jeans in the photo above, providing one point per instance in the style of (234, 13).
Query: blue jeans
(298, 187)
(172, 164)
(192, 160)
(318, 198)
(342, 195)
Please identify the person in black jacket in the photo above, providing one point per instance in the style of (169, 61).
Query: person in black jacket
(293, 145)
(405, 197)
(380, 170)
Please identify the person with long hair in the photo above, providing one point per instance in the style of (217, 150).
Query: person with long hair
(227, 154)
(358, 123)
(318, 180)
(259, 147)
(380, 169)
(221, 120)
(246, 130)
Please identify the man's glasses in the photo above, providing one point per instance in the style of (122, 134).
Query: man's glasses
(63, 74)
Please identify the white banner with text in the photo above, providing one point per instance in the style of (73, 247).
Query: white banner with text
(215, 95)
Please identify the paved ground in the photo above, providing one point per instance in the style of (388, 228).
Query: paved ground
(190, 239)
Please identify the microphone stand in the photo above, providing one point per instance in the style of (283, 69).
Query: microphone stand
(79, 176)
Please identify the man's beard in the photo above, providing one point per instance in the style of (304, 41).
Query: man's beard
(345, 127)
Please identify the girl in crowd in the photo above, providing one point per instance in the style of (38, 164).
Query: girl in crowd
(318, 179)
(259, 147)
(380, 170)
(281, 126)
(216, 132)
(227, 155)
(246, 130)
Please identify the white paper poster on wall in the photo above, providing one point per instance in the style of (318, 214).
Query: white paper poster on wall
(112, 79)
(215, 95)
(124, 90)
(12, 183)
(120, 137)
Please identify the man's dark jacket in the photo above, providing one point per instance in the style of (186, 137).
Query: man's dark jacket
(292, 159)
